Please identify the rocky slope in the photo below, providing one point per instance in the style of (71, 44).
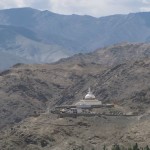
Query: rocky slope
(113, 55)
(83, 133)
(43, 36)
(6, 60)
(25, 89)
(79, 32)
(22, 45)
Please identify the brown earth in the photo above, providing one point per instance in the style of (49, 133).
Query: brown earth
(27, 90)
(83, 133)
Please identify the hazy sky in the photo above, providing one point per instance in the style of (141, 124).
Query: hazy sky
(84, 7)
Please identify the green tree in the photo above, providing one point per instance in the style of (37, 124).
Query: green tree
(116, 147)
(135, 147)
(147, 148)
(104, 147)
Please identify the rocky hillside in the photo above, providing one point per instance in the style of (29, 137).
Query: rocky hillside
(113, 55)
(79, 32)
(43, 36)
(114, 75)
(6, 60)
(26, 89)
(83, 133)
(21, 45)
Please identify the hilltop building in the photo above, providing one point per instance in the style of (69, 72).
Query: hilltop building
(88, 106)
(89, 100)
(83, 107)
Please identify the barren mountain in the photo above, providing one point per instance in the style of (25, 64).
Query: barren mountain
(43, 36)
(113, 55)
(29, 88)
(80, 33)
(22, 45)
(122, 79)
(6, 60)
(83, 133)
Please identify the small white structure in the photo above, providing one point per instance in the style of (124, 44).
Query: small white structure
(89, 95)
(88, 101)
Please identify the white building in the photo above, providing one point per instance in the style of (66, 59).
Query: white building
(89, 100)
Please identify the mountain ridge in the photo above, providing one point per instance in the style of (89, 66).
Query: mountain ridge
(29, 90)
(37, 86)
(71, 33)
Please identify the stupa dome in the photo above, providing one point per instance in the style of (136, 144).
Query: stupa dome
(89, 95)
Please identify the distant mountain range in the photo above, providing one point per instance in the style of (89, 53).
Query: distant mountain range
(33, 36)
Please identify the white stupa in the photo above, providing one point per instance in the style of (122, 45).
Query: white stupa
(89, 100)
